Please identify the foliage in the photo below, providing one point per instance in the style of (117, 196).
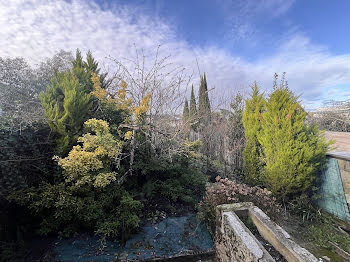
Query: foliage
(83, 71)
(235, 134)
(25, 159)
(334, 116)
(20, 85)
(226, 191)
(304, 207)
(193, 110)
(186, 112)
(66, 104)
(253, 165)
(327, 231)
(204, 112)
(177, 181)
(91, 164)
(293, 153)
(67, 101)
(88, 197)
(141, 110)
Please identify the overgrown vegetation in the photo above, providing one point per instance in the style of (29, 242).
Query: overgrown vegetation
(286, 154)
(101, 154)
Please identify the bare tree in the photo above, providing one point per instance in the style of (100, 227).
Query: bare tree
(20, 85)
(333, 116)
(167, 85)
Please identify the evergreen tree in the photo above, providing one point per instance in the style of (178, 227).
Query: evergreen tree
(204, 112)
(254, 106)
(66, 105)
(193, 110)
(67, 101)
(293, 152)
(186, 112)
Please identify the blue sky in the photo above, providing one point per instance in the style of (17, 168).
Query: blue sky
(236, 42)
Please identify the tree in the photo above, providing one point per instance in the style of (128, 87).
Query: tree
(66, 104)
(83, 71)
(193, 110)
(254, 107)
(165, 84)
(20, 85)
(293, 153)
(186, 112)
(235, 135)
(204, 112)
(333, 116)
(67, 101)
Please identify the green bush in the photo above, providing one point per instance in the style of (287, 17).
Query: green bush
(293, 152)
(282, 152)
(252, 162)
(174, 182)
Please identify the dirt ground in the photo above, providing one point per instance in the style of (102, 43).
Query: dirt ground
(342, 141)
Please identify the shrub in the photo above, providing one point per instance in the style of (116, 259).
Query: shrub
(253, 164)
(293, 153)
(89, 196)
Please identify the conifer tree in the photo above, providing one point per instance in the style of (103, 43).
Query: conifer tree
(193, 110)
(193, 104)
(293, 152)
(204, 112)
(186, 112)
(67, 101)
(254, 106)
(66, 105)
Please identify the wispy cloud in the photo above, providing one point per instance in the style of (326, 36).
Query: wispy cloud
(243, 17)
(37, 29)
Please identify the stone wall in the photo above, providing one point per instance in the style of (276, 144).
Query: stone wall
(235, 242)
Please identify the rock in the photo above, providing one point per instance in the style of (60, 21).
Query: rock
(325, 258)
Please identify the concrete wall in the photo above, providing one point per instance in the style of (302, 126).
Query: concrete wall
(234, 241)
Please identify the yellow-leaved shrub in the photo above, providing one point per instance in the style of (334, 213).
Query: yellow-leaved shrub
(90, 162)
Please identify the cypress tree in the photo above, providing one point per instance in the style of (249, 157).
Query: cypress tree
(193, 105)
(204, 112)
(252, 160)
(186, 112)
(67, 101)
(193, 110)
(66, 105)
(293, 152)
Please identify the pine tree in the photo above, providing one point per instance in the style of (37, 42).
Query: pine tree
(293, 152)
(253, 165)
(186, 113)
(66, 105)
(204, 112)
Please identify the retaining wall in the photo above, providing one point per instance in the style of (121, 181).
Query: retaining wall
(235, 242)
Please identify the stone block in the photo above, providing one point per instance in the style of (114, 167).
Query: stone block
(235, 242)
